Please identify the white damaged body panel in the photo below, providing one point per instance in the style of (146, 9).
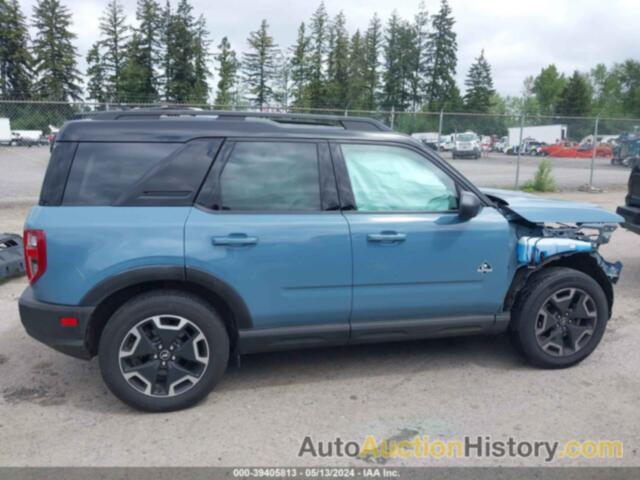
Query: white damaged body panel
(534, 250)
(549, 230)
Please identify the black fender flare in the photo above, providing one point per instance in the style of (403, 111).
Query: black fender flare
(605, 273)
(171, 273)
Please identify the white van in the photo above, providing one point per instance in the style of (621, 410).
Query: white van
(5, 131)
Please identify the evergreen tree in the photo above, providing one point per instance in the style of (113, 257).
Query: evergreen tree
(338, 65)
(319, 39)
(259, 65)
(133, 83)
(575, 98)
(179, 64)
(372, 47)
(300, 71)
(167, 45)
(357, 74)
(201, 61)
(441, 59)
(95, 75)
(547, 87)
(397, 63)
(148, 14)
(418, 54)
(114, 34)
(15, 57)
(282, 81)
(227, 71)
(479, 85)
(55, 69)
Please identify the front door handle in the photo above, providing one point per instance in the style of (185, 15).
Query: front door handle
(387, 237)
(234, 240)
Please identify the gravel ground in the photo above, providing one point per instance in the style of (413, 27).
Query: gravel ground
(55, 410)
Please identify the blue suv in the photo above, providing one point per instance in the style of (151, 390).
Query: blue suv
(168, 241)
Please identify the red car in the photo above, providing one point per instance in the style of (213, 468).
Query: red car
(571, 150)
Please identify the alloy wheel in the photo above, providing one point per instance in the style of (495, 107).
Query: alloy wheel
(163, 356)
(566, 322)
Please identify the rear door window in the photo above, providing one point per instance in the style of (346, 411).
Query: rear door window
(271, 176)
(107, 173)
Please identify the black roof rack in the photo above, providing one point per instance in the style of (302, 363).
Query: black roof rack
(348, 123)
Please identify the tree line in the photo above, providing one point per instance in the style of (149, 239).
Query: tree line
(167, 55)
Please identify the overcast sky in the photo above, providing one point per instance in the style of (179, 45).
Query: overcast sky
(519, 36)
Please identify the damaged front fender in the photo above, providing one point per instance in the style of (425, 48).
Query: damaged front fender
(569, 246)
(611, 270)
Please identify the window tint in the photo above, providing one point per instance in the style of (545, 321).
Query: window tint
(101, 172)
(385, 178)
(271, 176)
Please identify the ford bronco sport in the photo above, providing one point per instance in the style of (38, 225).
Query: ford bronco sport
(167, 242)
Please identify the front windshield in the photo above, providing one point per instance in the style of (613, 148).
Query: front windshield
(466, 137)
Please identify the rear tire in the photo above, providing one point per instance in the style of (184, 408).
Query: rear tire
(559, 318)
(163, 351)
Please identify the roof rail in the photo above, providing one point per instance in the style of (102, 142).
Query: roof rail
(348, 123)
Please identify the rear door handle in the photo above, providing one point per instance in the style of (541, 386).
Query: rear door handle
(234, 240)
(387, 237)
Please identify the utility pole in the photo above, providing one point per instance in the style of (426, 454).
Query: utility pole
(440, 127)
(594, 144)
(519, 150)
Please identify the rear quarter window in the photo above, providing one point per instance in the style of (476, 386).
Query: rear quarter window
(102, 171)
(138, 173)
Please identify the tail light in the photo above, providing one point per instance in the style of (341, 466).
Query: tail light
(35, 254)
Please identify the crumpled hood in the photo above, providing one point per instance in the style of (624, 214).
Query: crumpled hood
(546, 210)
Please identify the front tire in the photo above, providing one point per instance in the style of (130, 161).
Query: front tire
(163, 351)
(559, 318)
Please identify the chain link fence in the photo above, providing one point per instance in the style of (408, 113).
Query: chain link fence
(509, 147)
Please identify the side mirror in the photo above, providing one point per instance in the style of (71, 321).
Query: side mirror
(469, 207)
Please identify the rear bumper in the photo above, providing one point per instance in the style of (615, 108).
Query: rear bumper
(42, 321)
(631, 217)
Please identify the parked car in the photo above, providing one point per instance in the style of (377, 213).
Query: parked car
(447, 143)
(26, 138)
(430, 139)
(501, 145)
(631, 209)
(167, 242)
(467, 145)
(529, 147)
(573, 150)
